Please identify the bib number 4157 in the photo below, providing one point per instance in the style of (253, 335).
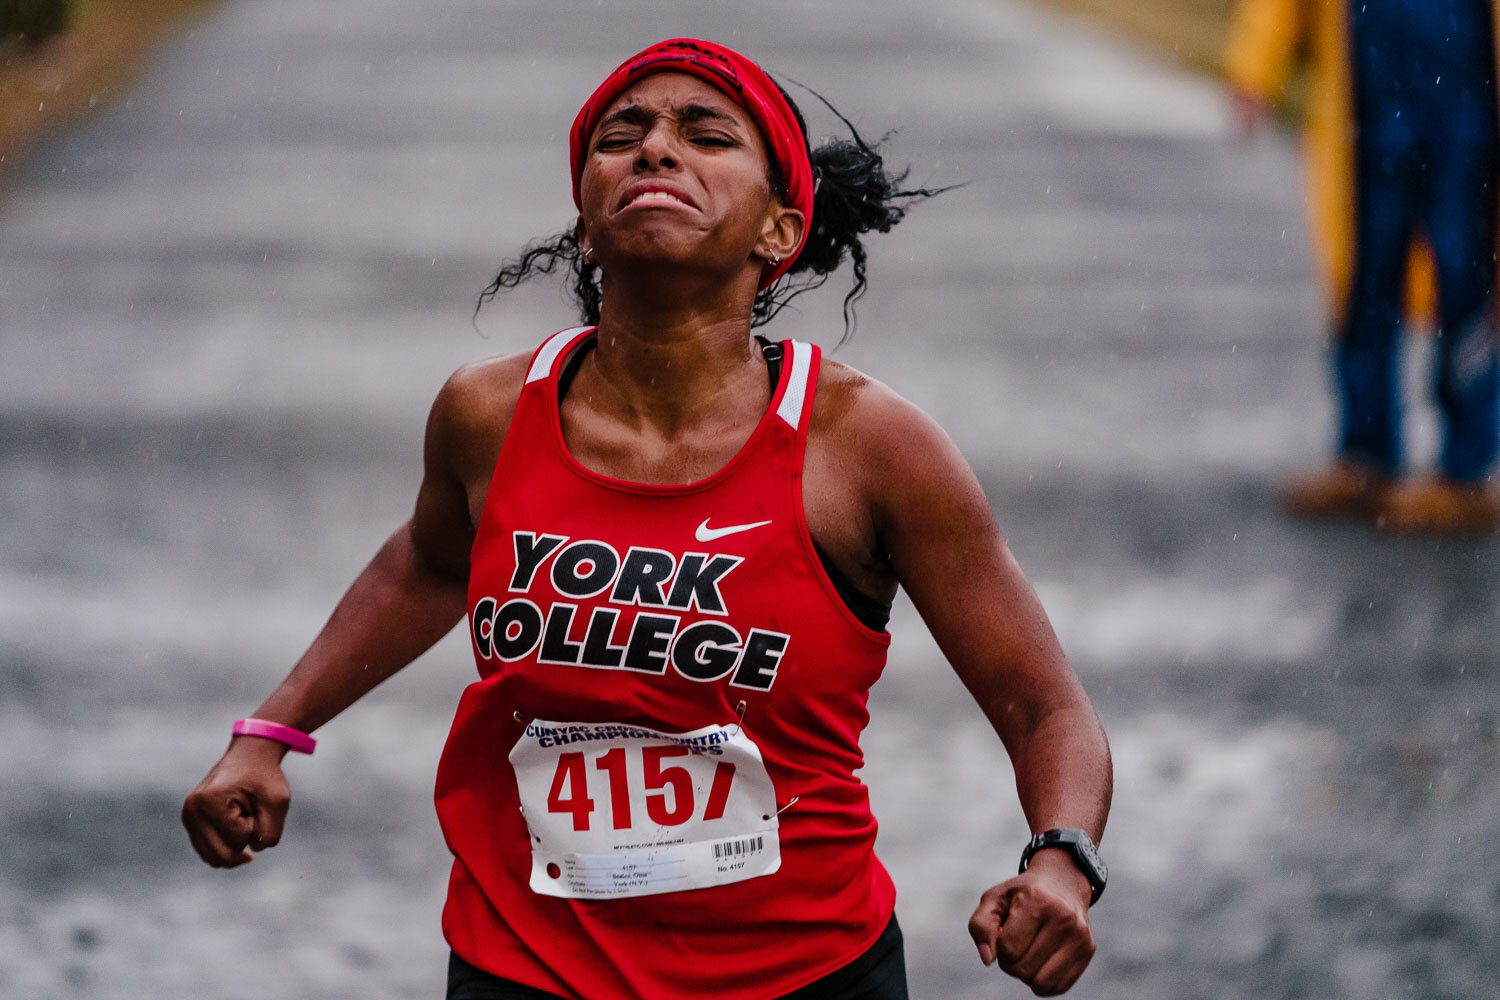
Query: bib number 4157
(665, 788)
(615, 810)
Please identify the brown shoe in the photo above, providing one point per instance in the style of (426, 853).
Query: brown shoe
(1435, 505)
(1344, 489)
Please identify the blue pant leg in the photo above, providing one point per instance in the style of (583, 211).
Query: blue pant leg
(1462, 167)
(1367, 356)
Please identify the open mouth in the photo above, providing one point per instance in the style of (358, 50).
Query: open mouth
(655, 197)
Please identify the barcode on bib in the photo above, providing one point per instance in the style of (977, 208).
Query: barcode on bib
(738, 848)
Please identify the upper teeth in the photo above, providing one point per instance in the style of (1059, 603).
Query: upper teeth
(656, 196)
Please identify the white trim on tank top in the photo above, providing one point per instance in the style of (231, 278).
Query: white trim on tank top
(792, 401)
(790, 409)
(542, 366)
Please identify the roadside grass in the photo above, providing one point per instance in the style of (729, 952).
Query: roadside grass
(49, 85)
(1190, 32)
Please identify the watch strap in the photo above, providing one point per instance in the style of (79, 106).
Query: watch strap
(1080, 847)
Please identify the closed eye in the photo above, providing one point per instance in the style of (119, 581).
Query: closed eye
(612, 144)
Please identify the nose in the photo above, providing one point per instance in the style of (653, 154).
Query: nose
(658, 148)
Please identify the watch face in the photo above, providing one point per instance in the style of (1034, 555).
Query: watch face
(1080, 846)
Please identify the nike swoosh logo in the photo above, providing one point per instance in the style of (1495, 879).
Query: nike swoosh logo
(707, 534)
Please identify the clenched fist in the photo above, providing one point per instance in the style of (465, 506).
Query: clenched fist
(1036, 925)
(240, 805)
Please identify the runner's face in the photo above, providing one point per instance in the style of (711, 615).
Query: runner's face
(676, 173)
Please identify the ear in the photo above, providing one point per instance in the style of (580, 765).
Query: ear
(782, 232)
(581, 233)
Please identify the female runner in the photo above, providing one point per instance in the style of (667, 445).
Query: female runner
(677, 545)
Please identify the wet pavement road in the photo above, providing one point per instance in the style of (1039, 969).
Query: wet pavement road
(226, 303)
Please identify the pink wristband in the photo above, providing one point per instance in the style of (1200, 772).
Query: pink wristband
(295, 739)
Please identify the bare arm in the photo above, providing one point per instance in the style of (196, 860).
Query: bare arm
(942, 541)
(407, 598)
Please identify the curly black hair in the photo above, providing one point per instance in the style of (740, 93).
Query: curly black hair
(854, 193)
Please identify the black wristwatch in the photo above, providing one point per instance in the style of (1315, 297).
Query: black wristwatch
(1080, 848)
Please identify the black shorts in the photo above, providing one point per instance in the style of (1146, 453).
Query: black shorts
(878, 974)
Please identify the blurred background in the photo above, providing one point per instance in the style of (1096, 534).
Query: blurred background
(240, 244)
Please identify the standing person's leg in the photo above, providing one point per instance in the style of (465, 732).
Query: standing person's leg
(1462, 164)
(1462, 222)
(1366, 351)
(1367, 354)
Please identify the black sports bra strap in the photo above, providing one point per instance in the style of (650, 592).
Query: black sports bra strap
(571, 367)
(873, 613)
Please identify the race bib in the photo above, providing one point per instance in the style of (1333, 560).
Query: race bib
(617, 810)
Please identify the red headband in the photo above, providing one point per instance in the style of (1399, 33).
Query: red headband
(746, 84)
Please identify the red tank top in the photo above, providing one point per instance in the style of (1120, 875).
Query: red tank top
(671, 693)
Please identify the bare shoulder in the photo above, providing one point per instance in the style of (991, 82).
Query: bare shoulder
(893, 456)
(866, 420)
(472, 413)
(477, 388)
